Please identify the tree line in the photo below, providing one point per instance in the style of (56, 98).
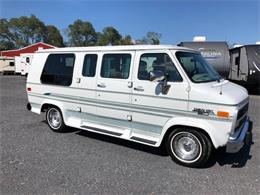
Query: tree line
(19, 32)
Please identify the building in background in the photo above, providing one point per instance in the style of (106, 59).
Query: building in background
(7, 58)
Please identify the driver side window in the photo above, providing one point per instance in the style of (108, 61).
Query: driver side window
(157, 61)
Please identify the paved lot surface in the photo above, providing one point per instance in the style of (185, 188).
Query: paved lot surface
(35, 160)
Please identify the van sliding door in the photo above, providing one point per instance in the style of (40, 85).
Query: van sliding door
(114, 89)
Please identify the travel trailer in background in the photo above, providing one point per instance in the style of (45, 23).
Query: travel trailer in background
(6, 65)
(245, 65)
(23, 63)
(216, 53)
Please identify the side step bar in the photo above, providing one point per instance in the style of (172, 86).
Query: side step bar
(147, 141)
(143, 140)
(101, 130)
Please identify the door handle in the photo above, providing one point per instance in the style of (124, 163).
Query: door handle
(138, 88)
(101, 85)
(78, 80)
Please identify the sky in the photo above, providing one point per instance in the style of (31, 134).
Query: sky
(234, 21)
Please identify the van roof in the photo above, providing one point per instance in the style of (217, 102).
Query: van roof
(114, 48)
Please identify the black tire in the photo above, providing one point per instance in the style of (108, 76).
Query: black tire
(189, 147)
(56, 124)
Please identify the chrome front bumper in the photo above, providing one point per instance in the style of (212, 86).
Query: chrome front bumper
(241, 137)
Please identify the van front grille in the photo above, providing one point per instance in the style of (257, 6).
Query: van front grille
(241, 116)
(242, 111)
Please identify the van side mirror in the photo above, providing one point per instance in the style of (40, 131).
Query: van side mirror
(159, 76)
(156, 75)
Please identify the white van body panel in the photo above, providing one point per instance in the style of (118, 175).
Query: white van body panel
(119, 110)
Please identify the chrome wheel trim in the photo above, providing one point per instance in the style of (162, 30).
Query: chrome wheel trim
(186, 147)
(54, 118)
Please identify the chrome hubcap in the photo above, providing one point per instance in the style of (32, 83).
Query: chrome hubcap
(54, 118)
(186, 147)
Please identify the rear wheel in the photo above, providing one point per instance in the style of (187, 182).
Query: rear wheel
(55, 120)
(189, 147)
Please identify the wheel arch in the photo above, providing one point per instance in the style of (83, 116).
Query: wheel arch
(174, 127)
(47, 103)
(184, 122)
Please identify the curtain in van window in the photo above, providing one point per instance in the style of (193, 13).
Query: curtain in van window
(116, 66)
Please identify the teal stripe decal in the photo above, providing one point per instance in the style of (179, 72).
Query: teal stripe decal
(124, 107)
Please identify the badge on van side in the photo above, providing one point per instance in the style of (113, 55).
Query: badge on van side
(205, 112)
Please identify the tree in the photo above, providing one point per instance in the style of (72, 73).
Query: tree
(151, 38)
(82, 34)
(101, 39)
(53, 36)
(109, 36)
(26, 30)
(127, 40)
(6, 38)
(20, 32)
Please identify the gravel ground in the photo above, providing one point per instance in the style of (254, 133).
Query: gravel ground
(36, 160)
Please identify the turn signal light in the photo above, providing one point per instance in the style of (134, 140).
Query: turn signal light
(29, 89)
(223, 114)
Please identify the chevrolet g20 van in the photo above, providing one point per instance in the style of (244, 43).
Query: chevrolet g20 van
(152, 95)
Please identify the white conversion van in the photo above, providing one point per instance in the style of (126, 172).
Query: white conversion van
(147, 94)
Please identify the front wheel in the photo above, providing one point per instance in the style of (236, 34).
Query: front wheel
(55, 120)
(189, 147)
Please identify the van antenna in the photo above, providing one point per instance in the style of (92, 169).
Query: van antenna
(221, 89)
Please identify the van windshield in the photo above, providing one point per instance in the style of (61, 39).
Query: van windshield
(197, 68)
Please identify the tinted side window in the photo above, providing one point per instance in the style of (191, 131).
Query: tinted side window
(89, 65)
(157, 61)
(116, 66)
(58, 69)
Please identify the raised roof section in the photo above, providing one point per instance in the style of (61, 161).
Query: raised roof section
(114, 48)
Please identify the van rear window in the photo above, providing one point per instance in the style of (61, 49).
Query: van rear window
(58, 69)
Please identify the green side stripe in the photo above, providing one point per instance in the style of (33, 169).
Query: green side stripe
(123, 106)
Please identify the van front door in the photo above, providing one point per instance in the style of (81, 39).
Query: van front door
(114, 89)
(151, 108)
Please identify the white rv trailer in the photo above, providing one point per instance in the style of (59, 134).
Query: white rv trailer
(147, 94)
(6, 65)
(23, 63)
(17, 65)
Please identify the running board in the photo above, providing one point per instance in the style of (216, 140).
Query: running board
(101, 130)
(143, 140)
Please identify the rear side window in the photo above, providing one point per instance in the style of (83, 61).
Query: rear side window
(58, 69)
(157, 61)
(89, 65)
(116, 66)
